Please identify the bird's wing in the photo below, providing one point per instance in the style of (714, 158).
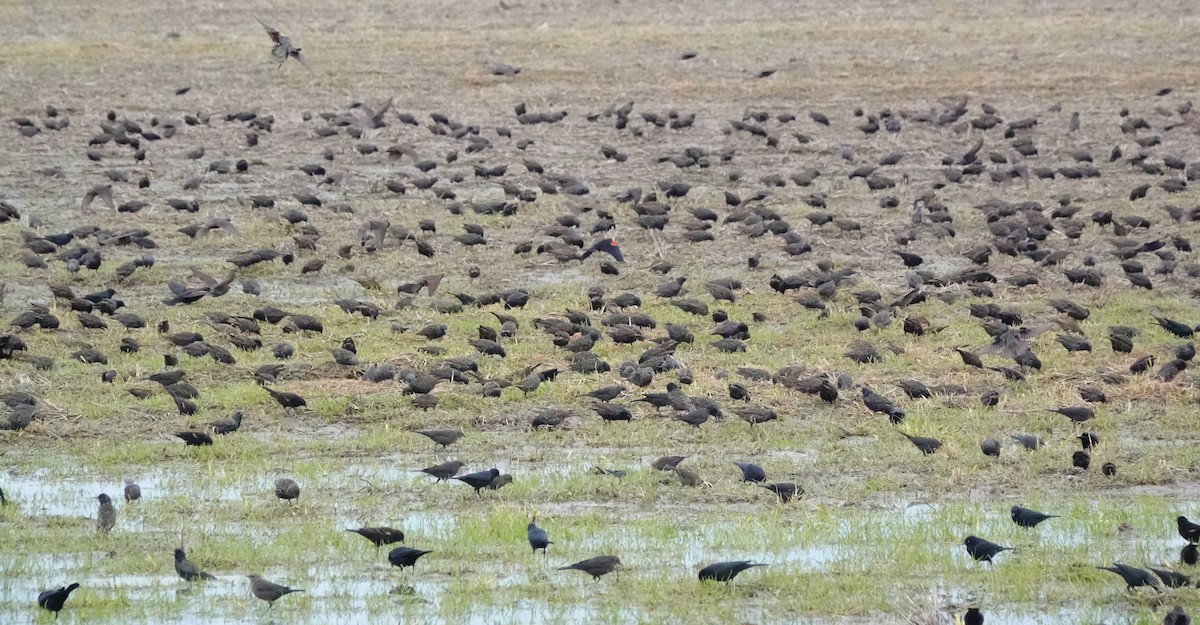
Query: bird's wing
(300, 58)
(204, 277)
(271, 32)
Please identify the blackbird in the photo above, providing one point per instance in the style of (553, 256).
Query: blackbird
(538, 537)
(268, 591)
(926, 444)
(725, 571)
(405, 556)
(751, 472)
(287, 489)
(380, 536)
(106, 517)
(53, 600)
(1188, 530)
(187, 569)
(133, 492)
(285, 399)
(990, 447)
(607, 393)
(608, 246)
(480, 479)
(226, 426)
(195, 439)
(596, 567)
(1077, 414)
(973, 617)
(1133, 576)
(667, 463)
(786, 491)
(1029, 518)
(1177, 616)
(880, 404)
(983, 550)
(1171, 579)
(443, 438)
(445, 470)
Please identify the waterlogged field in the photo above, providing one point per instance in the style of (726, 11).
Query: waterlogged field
(877, 536)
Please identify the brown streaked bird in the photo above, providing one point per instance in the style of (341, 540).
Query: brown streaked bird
(103, 191)
(106, 517)
(443, 471)
(268, 591)
(596, 567)
(444, 438)
(283, 47)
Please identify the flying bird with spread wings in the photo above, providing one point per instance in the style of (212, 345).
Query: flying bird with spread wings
(283, 46)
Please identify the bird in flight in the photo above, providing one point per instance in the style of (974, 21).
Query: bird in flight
(283, 46)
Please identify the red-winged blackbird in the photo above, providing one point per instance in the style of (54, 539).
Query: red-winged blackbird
(608, 246)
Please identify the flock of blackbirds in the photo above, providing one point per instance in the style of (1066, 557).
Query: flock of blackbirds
(1013, 249)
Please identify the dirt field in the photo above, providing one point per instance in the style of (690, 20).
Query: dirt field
(877, 536)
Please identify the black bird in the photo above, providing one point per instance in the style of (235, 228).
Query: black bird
(596, 567)
(725, 571)
(285, 399)
(751, 472)
(607, 393)
(479, 480)
(380, 536)
(926, 444)
(612, 412)
(880, 404)
(1181, 330)
(973, 617)
(405, 556)
(990, 447)
(1133, 576)
(195, 439)
(983, 550)
(1190, 554)
(287, 489)
(53, 600)
(786, 491)
(1188, 530)
(1029, 518)
(1171, 579)
(1177, 616)
(538, 537)
(608, 246)
(226, 426)
(187, 569)
(1077, 414)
